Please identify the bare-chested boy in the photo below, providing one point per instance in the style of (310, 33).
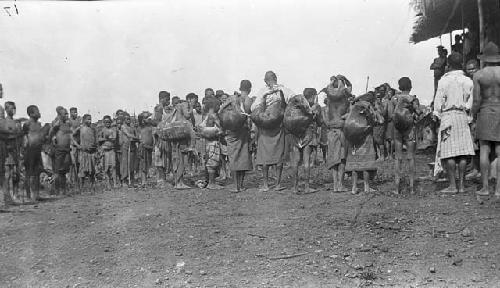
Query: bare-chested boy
(75, 121)
(486, 109)
(128, 141)
(146, 143)
(334, 119)
(86, 142)
(36, 136)
(61, 135)
(107, 140)
(11, 133)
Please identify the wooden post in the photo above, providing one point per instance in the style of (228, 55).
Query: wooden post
(451, 40)
(367, 80)
(481, 28)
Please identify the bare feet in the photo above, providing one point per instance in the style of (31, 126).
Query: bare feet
(264, 188)
(449, 190)
(354, 191)
(310, 190)
(279, 187)
(341, 188)
(181, 186)
(483, 192)
(370, 190)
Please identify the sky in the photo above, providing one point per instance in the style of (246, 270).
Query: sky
(100, 56)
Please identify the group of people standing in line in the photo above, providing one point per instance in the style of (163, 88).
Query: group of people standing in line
(352, 132)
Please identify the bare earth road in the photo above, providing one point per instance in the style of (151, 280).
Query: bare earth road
(199, 238)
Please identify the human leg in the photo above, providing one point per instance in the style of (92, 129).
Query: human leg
(461, 173)
(279, 171)
(354, 178)
(497, 152)
(484, 163)
(451, 173)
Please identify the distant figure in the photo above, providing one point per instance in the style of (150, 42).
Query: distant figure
(35, 137)
(471, 67)
(486, 109)
(61, 135)
(240, 159)
(453, 100)
(107, 140)
(404, 118)
(12, 153)
(86, 140)
(146, 144)
(163, 112)
(439, 65)
(128, 147)
(458, 46)
(271, 141)
(334, 115)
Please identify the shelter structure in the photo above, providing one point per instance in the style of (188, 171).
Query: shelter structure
(479, 21)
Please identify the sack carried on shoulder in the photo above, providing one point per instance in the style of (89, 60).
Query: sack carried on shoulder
(298, 116)
(269, 118)
(231, 118)
(210, 133)
(357, 125)
(403, 116)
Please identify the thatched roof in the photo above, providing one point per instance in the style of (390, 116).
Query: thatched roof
(438, 17)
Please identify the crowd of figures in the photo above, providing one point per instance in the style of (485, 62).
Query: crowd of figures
(228, 135)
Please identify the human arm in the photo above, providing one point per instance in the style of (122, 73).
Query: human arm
(476, 94)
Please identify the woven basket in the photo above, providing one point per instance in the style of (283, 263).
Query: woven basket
(176, 131)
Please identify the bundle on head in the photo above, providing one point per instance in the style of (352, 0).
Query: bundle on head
(358, 123)
(298, 115)
(269, 117)
(403, 116)
(336, 92)
(231, 118)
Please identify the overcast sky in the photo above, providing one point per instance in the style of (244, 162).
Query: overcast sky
(101, 56)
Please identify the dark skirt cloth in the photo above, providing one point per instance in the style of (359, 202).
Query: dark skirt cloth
(361, 158)
(62, 159)
(270, 146)
(238, 150)
(146, 158)
(127, 161)
(33, 161)
(336, 147)
(87, 161)
(379, 134)
(488, 123)
(389, 130)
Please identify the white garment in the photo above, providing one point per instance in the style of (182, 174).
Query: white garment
(270, 99)
(454, 91)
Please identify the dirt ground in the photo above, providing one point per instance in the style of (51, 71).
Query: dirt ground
(199, 238)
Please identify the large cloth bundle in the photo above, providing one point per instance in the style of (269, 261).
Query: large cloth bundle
(269, 117)
(358, 124)
(231, 118)
(298, 116)
(403, 116)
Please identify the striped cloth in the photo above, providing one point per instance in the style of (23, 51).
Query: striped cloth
(454, 138)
